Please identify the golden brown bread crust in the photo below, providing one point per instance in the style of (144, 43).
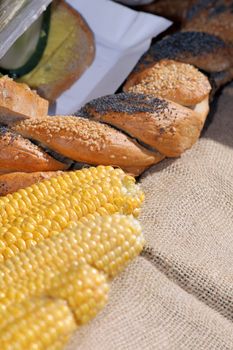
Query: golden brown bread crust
(19, 154)
(18, 102)
(164, 125)
(13, 182)
(172, 80)
(87, 141)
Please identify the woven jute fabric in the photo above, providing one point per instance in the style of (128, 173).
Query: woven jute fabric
(179, 293)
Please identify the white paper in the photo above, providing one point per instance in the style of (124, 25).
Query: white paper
(121, 36)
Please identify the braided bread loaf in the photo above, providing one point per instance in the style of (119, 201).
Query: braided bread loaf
(128, 130)
(160, 114)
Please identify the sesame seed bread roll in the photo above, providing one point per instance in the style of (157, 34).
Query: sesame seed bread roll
(18, 102)
(176, 81)
(19, 154)
(12, 182)
(161, 124)
(87, 141)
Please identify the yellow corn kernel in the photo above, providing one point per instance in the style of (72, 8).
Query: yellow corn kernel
(114, 193)
(8, 253)
(106, 243)
(2, 244)
(36, 324)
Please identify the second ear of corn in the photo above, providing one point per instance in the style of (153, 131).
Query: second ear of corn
(37, 324)
(59, 268)
(107, 243)
(61, 241)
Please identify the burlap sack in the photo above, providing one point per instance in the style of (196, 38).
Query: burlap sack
(179, 293)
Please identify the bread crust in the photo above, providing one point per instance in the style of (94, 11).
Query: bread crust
(13, 182)
(167, 127)
(172, 80)
(19, 154)
(202, 109)
(19, 102)
(87, 141)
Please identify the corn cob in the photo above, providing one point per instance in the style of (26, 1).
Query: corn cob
(37, 195)
(85, 289)
(36, 325)
(22, 201)
(107, 243)
(114, 192)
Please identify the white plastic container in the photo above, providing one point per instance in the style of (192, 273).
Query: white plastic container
(16, 17)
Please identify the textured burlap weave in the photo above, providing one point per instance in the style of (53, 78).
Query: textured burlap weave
(179, 293)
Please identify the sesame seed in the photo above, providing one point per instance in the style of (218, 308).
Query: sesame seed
(172, 80)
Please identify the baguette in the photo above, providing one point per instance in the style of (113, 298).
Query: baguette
(18, 102)
(19, 154)
(12, 182)
(87, 141)
(161, 124)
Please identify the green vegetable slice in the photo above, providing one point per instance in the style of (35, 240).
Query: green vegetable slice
(27, 51)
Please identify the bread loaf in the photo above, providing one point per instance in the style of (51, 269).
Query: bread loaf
(13, 182)
(18, 102)
(69, 52)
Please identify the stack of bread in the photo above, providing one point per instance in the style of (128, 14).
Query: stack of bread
(159, 114)
(130, 130)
